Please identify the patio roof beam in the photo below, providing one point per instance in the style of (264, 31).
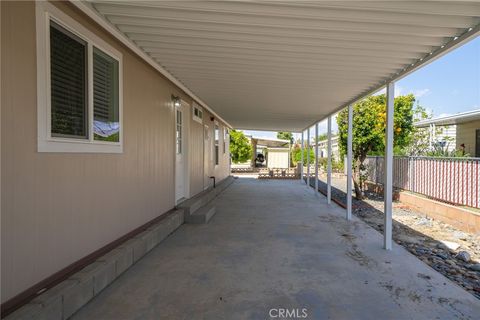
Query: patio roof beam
(323, 19)
(456, 42)
(206, 28)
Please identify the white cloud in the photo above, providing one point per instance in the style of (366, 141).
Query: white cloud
(445, 114)
(422, 92)
(398, 91)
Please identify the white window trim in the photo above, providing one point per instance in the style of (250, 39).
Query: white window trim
(45, 12)
(216, 145)
(195, 118)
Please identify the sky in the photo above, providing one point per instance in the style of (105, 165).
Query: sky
(449, 85)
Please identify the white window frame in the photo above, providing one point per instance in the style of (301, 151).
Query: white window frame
(196, 118)
(46, 12)
(216, 144)
(225, 137)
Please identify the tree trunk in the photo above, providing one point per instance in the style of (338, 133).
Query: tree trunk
(357, 182)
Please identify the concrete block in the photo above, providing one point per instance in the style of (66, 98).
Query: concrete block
(160, 231)
(181, 216)
(139, 245)
(26, 312)
(52, 300)
(151, 239)
(102, 273)
(203, 215)
(122, 257)
(51, 312)
(77, 296)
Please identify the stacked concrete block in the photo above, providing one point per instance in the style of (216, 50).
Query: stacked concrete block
(63, 300)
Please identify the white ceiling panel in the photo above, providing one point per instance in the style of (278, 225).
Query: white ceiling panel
(280, 65)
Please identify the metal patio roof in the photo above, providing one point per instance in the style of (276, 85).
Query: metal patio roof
(278, 65)
(454, 119)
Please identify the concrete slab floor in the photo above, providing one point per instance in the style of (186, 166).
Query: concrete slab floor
(274, 245)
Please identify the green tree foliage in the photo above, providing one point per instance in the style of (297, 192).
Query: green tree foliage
(420, 144)
(297, 155)
(240, 147)
(369, 122)
(284, 135)
(322, 137)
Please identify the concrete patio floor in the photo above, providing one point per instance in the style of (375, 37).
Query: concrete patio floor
(277, 244)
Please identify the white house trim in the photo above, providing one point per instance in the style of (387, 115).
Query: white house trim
(45, 13)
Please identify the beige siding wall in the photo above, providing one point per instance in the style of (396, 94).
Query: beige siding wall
(466, 135)
(196, 152)
(59, 207)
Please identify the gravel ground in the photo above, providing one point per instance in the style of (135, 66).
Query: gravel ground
(452, 252)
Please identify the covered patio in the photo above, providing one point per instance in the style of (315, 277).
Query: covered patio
(277, 244)
(79, 211)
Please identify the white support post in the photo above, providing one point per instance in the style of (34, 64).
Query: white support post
(349, 162)
(301, 159)
(316, 157)
(308, 157)
(388, 186)
(329, 160)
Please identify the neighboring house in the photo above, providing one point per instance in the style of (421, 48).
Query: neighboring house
(460, 131)
(275, 151)
(323, 147)
(96, 142)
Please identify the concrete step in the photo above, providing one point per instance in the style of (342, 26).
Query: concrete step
(202, 215)
(191, 205)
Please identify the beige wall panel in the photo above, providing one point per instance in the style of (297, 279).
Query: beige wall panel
(59, 207)
(466, 135)
(196, 157)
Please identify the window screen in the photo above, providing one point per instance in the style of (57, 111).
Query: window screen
(68, 74)
(105, 97)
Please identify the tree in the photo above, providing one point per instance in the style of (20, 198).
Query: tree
(240, 147)
(297, 154)
(284, 135)
(422, 144)
(369, 122)
(322, 137)
(419, 142)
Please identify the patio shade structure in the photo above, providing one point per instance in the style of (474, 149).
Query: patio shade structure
(285, 66)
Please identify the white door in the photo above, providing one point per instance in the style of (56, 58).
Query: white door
(207, 151)
(180, 157)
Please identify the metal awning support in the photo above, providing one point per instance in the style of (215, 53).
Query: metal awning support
(349, 162)
(316, 157)
(329, 160)
(388, 187)
(301, 161)
(308, 157)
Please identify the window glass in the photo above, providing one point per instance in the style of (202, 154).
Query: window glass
(68, 76)
(106, 125)
(217, 137)
(179, 132)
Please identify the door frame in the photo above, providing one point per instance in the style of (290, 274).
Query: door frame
(185, 109)
(207, 156)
